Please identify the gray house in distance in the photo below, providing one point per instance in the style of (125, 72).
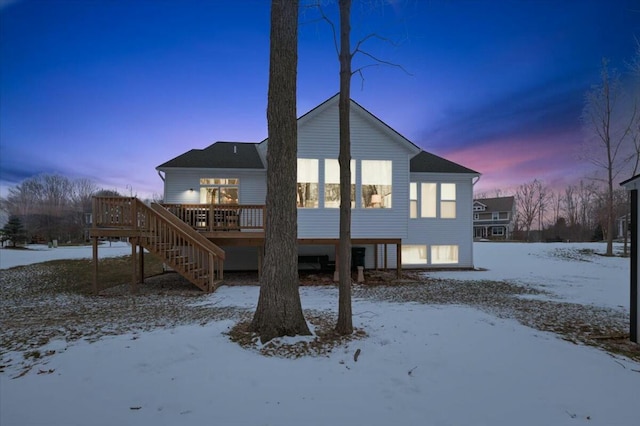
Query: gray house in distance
(494, 218)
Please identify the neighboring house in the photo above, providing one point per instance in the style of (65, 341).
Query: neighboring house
(493, 218)
(633, 185)
(408, 205)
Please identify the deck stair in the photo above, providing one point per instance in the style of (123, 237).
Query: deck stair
(163, 234)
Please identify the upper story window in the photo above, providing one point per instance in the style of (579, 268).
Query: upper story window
(377, 181)
(219, 190)
(430, 193)
(307, 187)
(332, 183)
(495, 216)
(448, 200)
(476, 216)
(413, 200)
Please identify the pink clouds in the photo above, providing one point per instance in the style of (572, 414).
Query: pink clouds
(506, 164)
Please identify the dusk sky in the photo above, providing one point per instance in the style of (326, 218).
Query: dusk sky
(110, 89)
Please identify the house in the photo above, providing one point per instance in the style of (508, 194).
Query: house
(410, 208)
(633, 185)
(494, 218)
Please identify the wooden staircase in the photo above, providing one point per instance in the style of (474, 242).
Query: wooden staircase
(162, 233)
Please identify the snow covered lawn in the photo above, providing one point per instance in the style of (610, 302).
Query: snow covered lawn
(421, 363)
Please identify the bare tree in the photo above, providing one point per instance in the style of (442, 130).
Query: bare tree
(530, 202)
(609, 124)
(345, 323)
(345, 56)
(279, 311)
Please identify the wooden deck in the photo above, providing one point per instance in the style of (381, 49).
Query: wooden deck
(166, 229)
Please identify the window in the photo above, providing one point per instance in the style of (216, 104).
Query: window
(497, 230)
(307, 187)
(414, 255)
(219, 190)
(441, 255)
(413, 200)
(477, 208)
(428, 204)
(476, 216)
(448, 200)
(376, 183)
(332, 183)
(495, 216)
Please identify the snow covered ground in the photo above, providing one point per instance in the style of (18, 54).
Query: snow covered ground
(572, 272)
(41, 253)
(419, 365)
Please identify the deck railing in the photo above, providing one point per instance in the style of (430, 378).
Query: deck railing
(153, 227)
(220, 217)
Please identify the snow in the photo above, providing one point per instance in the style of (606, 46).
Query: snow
(567, 270)
(36, 253)
(419, 364)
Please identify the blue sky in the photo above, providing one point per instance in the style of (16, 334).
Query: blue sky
(109, 89)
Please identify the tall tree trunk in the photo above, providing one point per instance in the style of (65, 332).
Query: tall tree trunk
(279, 311)
(345, 324)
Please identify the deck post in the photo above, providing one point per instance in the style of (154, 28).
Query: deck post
(134, 275)
(336, 274)
(95, 265)
(375, 257)
(386, 249)
(141, 264)
(399, 259)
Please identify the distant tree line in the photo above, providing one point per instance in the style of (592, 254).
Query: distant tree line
(52, 207)
(590, 209)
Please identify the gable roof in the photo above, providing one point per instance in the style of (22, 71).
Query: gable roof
(384, 127)
(497, 204)
(219, 155)
(425, 162)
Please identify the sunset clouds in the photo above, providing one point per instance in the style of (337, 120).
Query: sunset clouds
(110, 89)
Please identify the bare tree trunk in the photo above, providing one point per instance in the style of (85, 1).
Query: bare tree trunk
(345, 324)
(279, 311)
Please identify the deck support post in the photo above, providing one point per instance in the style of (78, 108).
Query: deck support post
(375, 257)
(94, 242)
(141, 264)
(386, 260)
(134, 275)
(336, 274)
(399, 259)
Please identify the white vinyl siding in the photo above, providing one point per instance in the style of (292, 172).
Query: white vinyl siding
(319, 138)
(436, 231)
(252, 184)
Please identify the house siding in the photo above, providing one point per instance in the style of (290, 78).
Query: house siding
(319, 139)
(435, 231)
(252, 188)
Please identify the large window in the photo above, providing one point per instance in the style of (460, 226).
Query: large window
(436, 200)
(414, 255)
(307, 188)
(441, 255)
(413, 200)
(448, 200)
(428, 193)
(376, 183)
(219, 190)
(332, 183)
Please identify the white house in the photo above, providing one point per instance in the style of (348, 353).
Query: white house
(403, 198)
